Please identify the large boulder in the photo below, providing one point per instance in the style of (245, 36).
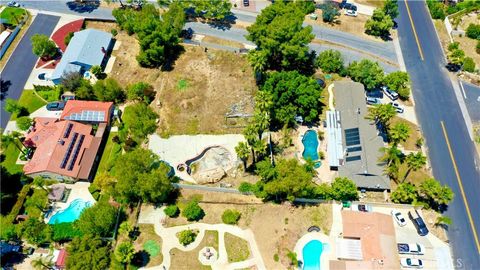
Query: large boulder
(210, 176)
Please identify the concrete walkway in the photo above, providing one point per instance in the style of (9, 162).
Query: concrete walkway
(170, 241)
(330, 97)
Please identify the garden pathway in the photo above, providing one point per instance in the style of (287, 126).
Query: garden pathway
(170, 241)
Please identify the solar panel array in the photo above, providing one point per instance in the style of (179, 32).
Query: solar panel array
(352, 140)
(90, 116)
(75, 154)
(69, 151)
(68, 130)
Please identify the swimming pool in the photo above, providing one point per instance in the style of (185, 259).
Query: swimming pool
(71, 213)
(310, 147)
(311, 255)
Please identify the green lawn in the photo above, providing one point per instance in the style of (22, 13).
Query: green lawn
(110, 153)
(11, 155)
(29, 100)
(50, 95)
(10, 13)
(237, 248)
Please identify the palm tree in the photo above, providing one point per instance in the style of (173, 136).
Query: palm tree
(261, 121)
(12, 137)
(250, 133)
(263, 101)
(415, 162)
(392, 171)
(40, 183)
(260, 147)
(243, 152)
(42, 263)
(382, 113)
(258, 60)
(399, 133)
(391, 155)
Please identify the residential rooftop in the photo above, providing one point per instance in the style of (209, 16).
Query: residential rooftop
(87, 111)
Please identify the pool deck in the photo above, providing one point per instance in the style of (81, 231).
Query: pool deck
(327, 251)
(79, 190)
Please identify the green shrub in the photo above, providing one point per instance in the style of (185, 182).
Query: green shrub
(68, 37)
(404, 93)
(171, 211)
(20, 200)
(24, 122)
(468, 65)
(64, 231)
(193, 212)
(186, 237)
(275, 257)
(114, 32)
(437, 9)
(453, 46)
(473, 31)
(231, 216)
(477, 48)
(245, 187)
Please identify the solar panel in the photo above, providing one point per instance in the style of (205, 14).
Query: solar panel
(353, 158)
(68, 130)
(354, 149)
(75, 154)
(352, 136)
(69, 151)
(91, 116)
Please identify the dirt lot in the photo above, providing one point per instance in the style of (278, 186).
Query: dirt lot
(193, 97)
(373, 3)
(468, 44)
(276, 227)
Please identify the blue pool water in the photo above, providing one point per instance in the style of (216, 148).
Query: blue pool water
(71, 213)
(310, 146)
(311, 255)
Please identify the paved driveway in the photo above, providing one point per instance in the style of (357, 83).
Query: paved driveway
(20, 65)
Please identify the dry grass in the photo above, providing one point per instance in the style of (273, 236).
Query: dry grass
(147, 232)
(414, 177)
(352, 25)
(411, 142)
(442, 33)
(15, 42)
(189, 260)
(237, 248)
(469, 44)
(430, 217)
(193, 97)
(224, 42)
(286, 224)
(373, 3)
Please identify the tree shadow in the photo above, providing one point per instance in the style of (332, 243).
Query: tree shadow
(83, 7)
(171, 57)
(4, 86)
(140, 259)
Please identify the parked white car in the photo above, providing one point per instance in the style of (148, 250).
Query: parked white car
(397, 107)
(13, 4)
(411, 263)
(349, 12)
(398, 217)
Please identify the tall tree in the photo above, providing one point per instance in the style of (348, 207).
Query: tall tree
(434, 194)
(109, 90)
(382, 114)
(404, 193)
(343, 189)
(330, 13)
(280, 35)
(214, 10)
(90, 223)
(399, 133)
(390, 7)
(125, 252)
(415, 161)
(88, 252)
(330, 61)
(366, 72)
(140, 120)
(12, 138)
(12, 106)
(243, 152)
(43, 47)
(379, 24)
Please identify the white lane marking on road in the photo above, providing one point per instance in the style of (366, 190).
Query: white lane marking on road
(463, 89)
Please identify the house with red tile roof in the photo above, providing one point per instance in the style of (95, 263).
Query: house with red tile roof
(92, 112)
(64, 150)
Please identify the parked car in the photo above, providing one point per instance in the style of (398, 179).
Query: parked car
(321, 83)
(13, 4)
(374, 93)
(349, 6)
(415, 249)
(398, 217)
(453, 67)
(411, 263)
(349, 12)
(397, 107)
(361, 207)
(372, 101)
(418, 222)
(246, 3)
(55, 106)
(390, 93)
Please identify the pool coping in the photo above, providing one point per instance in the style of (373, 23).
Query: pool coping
(324, 258)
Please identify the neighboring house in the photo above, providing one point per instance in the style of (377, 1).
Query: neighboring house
(354, 142)
(87, 48)
(368, 242)
(64, 150)
(91, 112)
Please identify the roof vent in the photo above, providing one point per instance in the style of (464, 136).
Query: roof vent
(62, 142)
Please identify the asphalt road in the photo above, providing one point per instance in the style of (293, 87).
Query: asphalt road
(472, 100)
(436, 102)
(19, 66)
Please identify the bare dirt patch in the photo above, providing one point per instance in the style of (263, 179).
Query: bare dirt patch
(196, 94)
(224, 42)
(373, 3)
(468, 44)
(415, 134)
(147, 232)
(277, 228)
